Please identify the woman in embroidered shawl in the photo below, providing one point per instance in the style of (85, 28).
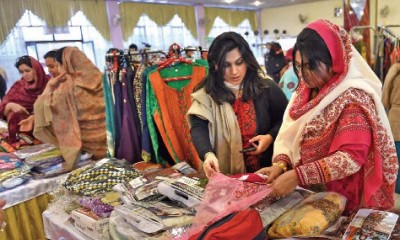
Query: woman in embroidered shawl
(335, 134)
(70, 113)
(17, 104)
(233, 108)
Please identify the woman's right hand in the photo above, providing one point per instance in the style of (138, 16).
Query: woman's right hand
(210, 165)
(272, 172)
(15, 107)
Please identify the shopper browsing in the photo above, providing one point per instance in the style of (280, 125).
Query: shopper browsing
(17, 105)
(51, 63)
(235, 108)
(70, 113)
(335, 133)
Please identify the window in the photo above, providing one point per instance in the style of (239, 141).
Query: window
(160, 38)
(32, 37)
(221, 26)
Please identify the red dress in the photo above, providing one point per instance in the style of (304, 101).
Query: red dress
(246, 116)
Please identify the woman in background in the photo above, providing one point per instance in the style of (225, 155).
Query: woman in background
(17, 105)
(70, 113)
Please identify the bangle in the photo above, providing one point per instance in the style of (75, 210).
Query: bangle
(281, 165)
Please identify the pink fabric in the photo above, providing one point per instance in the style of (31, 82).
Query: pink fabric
(250, 177)
(224, 195)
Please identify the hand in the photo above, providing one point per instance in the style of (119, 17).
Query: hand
(2, 204)
(26, 125)
(210, 165)
(264, 141)
(55, 82)
(272, 172)
(284, 184)
(15, 107)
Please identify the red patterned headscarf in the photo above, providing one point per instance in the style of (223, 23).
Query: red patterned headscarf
(339, 45)
(23, 93)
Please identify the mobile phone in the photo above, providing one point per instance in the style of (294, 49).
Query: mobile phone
(249, 149)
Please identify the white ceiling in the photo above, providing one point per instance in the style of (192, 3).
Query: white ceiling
(237, 4)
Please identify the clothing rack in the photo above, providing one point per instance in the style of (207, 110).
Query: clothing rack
(355, 28)
(384, 30)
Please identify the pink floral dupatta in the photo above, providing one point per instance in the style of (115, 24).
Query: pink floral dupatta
(351, 72)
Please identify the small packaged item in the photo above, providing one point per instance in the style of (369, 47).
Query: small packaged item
(6, 147)
(310, 218)
(371, 224)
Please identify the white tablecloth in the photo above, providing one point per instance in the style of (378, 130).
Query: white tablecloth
(31, 190)
(58, 225)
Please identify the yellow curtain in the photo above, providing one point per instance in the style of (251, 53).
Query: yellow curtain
(231, 17)
(56, 13)
(96, 13)
(24, 220)
(10, 12)
(159, 13)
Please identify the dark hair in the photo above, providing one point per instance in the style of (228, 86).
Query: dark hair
(214, 81)
(312, 48)
(50, 54)
(133, 46)
(23, 60)
(59, 54)
(274, 50)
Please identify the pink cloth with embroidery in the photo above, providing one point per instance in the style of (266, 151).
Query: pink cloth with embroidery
(224, 195)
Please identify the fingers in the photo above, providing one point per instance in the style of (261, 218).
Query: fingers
(24, 110)
(215, 166)
(2, 203)
(208, 170)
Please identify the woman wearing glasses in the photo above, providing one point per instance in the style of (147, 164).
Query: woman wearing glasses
(17, 105)
(335, 135)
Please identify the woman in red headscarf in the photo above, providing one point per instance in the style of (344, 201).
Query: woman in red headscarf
(17, 104)
(335, 135)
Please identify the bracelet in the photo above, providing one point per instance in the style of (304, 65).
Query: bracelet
(281, 165)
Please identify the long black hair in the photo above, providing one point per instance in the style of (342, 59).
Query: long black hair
(313, 49)
(59, 54)
(214, 81)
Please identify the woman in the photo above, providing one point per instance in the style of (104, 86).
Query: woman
(276, 61)
(235, 108)
(70, 113)
(17, 104)
(335, 135)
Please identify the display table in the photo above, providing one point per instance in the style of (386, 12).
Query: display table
(58, 225)
(24, 208)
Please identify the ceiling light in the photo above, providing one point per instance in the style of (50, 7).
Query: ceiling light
(228, 1)
(257, 3)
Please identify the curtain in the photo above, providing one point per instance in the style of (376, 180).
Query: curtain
(159, 13)
(56, 13)
(231, 17)
(10, 12)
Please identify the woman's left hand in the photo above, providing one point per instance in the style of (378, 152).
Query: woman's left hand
(26, 125)
(264, 141)
(284, 184)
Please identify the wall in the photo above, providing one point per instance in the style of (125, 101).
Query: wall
(393, 17)
(287, 18)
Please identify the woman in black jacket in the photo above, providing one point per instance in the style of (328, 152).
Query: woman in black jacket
(235, 108)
